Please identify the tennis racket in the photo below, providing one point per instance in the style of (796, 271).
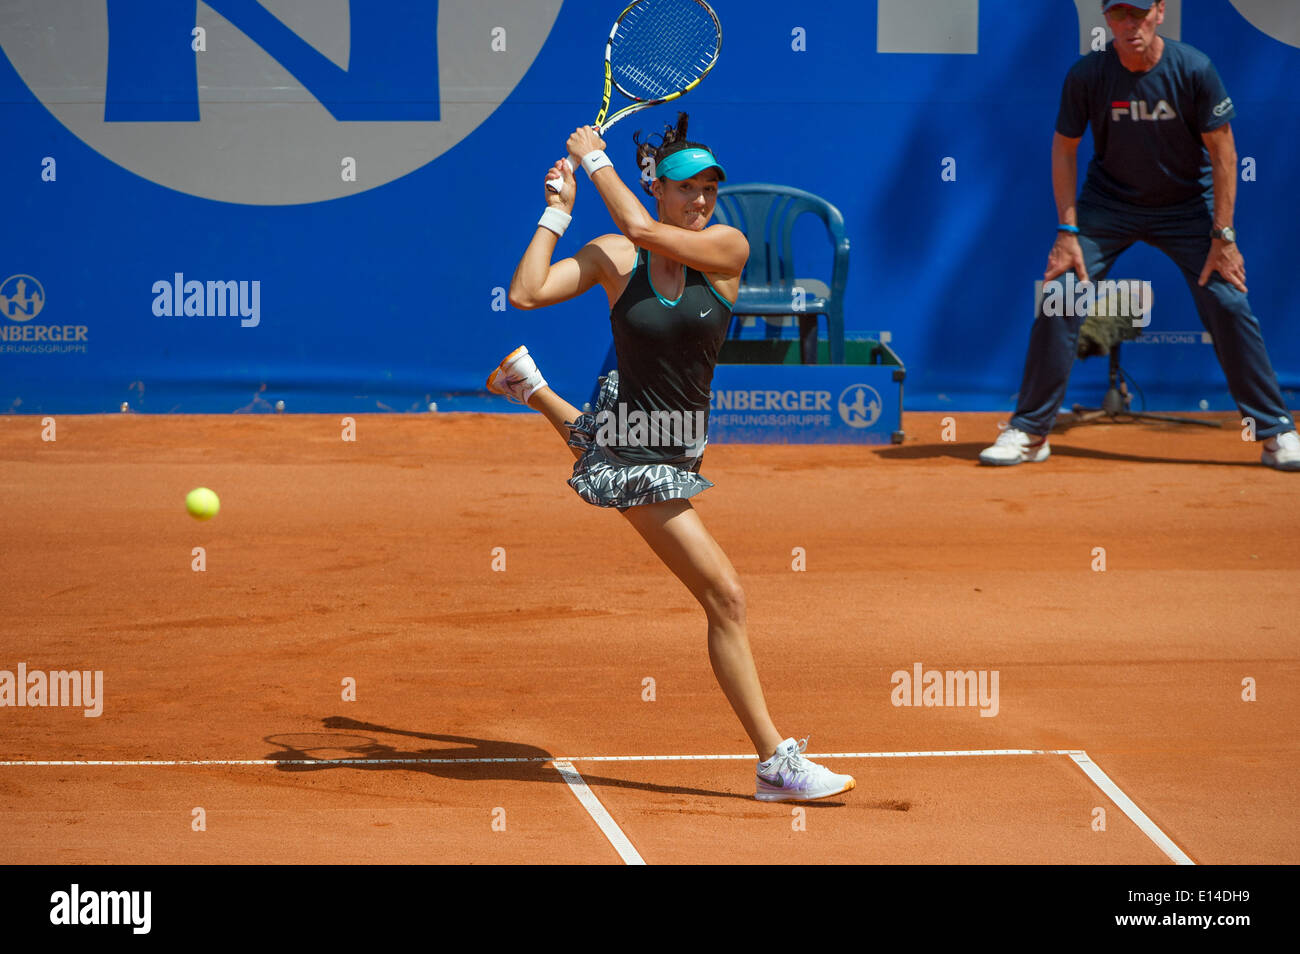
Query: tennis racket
(657, 51)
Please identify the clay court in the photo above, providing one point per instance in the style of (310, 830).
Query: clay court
(373, 561)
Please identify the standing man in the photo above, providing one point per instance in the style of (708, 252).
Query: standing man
(1165, 173)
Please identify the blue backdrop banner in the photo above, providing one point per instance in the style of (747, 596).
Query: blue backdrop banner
(213, 206)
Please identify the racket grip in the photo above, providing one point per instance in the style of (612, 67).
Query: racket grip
(557, 183)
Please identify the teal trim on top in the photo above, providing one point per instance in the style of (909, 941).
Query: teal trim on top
(650, 277)
(664, 301)
(716, 294)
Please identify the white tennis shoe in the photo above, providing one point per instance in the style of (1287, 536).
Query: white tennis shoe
(1282, 452)
(789, 777)
(1014, 446)
(516, 377)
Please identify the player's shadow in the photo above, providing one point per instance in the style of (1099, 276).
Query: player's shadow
(971, 452)
(1090, 453)
(511, 761)
(950, 449)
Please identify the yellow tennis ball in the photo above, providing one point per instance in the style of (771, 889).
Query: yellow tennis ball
(202, 503)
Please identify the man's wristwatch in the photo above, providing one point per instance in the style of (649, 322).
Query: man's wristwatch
(1227, 234)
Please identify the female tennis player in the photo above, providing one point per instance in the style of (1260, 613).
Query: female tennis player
(671, 284)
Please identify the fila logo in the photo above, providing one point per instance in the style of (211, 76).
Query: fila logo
(1138, 109)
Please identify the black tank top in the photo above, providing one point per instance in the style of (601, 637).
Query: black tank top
(667, 351)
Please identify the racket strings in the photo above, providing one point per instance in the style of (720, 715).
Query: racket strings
(663, 46)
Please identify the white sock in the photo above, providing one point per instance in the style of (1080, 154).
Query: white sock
(535, 383)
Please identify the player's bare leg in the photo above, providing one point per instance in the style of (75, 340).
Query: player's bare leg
(518, 378)
(677, 535)
(556, 410)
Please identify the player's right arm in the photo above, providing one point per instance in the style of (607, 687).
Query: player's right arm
(537, 281)
(1066, 254)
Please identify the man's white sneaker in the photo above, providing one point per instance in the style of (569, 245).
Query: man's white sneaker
(1014, 446)
(789, 777)
(516, 377)
(1282, 452)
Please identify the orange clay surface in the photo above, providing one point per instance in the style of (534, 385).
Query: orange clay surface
(373, 561)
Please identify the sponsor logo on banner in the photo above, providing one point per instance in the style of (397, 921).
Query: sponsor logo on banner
(277, 102)
(859, 405)
(22, 298)
(1190, 337)
(756, 399)
(804, 404)
(771, 407)
(953, 27)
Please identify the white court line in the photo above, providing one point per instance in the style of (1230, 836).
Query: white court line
(597, 811)
(1080, 758)
(1127, 806)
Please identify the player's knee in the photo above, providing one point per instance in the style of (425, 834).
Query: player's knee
(728, 600)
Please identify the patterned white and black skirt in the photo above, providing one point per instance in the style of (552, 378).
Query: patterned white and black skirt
(605, 479)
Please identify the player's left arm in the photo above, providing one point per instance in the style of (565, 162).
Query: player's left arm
(716, 250)
(1225, 257)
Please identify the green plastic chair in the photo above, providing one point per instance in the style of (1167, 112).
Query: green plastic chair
(767, 214)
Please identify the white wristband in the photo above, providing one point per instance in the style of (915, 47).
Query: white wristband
(595, 160)
(557, 220)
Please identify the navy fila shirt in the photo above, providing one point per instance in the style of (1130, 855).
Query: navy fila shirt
(1146, 127)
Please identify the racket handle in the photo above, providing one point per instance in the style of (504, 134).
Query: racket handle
(557, 183)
